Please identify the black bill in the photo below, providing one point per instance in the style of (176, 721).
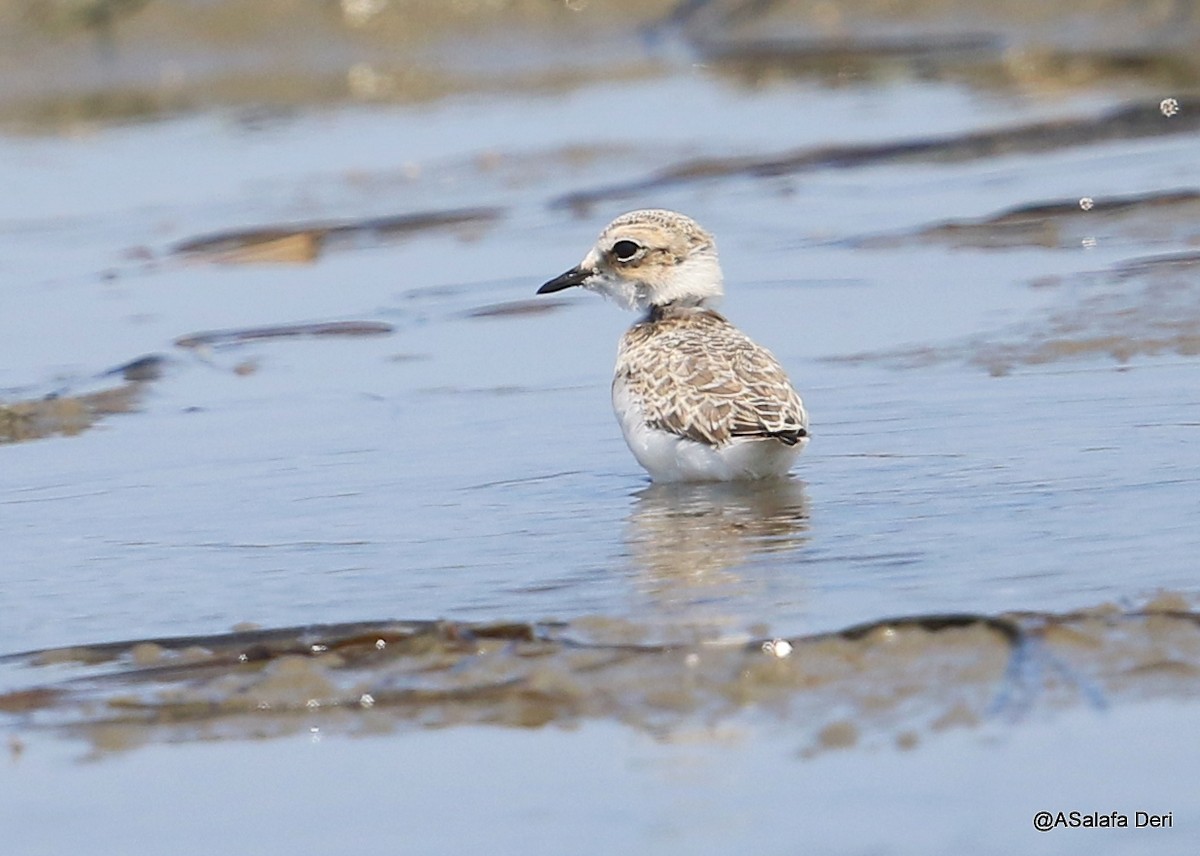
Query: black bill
(575, 276)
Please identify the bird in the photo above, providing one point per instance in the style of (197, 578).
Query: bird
(696, 398)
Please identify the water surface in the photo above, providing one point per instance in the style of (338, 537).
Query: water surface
(1004, 411)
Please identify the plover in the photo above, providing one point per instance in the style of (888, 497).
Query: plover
(696, 398)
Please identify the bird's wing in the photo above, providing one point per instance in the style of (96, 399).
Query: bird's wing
(699, 377)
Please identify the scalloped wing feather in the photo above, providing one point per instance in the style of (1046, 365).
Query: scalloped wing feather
(697, 376)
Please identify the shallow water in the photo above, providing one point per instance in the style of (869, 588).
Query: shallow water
(999, 424)
(694, 794)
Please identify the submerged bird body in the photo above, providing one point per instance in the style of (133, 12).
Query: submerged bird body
(696, 398)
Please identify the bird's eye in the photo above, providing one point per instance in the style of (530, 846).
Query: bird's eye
(624, 251)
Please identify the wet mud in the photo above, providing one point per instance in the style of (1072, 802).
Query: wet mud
(1132, 122)
(304, 243)
(71, 63)
(74, 408)
(893, 681)
(64, 415)
(327, 329)
(67, 413)
(1171, 217)
(1136, 307)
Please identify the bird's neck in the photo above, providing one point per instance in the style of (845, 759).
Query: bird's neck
(678, 309)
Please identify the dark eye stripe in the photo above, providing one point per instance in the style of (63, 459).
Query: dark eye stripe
(623, 251)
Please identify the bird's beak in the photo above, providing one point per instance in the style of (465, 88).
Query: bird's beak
(575, 276)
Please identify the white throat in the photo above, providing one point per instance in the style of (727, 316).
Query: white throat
(695, 281)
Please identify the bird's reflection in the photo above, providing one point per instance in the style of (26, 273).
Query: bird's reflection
(688, 542)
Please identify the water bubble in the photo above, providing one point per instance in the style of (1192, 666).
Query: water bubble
(380, 644)
(1169, 107)
(1087, 203)
(1089, 243)
(779, 647)
(318, 649)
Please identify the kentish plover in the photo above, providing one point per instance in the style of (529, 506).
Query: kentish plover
(696, 398)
